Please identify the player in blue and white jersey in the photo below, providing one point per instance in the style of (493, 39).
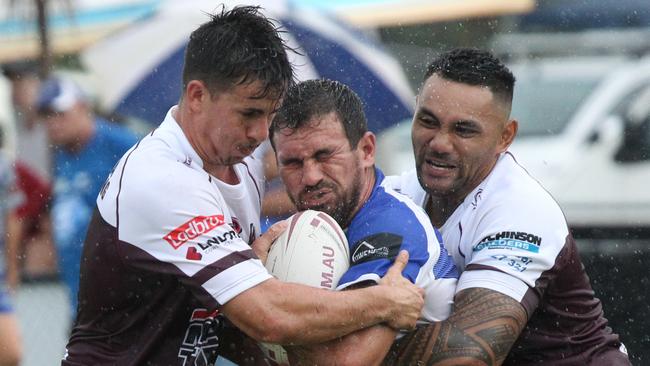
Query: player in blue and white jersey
(326, 159)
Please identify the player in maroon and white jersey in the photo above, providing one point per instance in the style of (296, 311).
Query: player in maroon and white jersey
(167, 253)
(523, 297)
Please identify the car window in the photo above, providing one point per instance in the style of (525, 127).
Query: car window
(635, 115)
(544, 106)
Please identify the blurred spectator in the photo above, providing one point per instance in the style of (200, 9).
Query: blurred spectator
(10, 344)
(32, 144)
(26, 141)
(36, 259)
(85, 149)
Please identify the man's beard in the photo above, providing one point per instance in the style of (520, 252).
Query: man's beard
(343, 209)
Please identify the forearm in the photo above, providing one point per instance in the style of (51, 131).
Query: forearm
(286, 313)
(481, 330)
(364, 347)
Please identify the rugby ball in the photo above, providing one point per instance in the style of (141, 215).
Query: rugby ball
(312, 251)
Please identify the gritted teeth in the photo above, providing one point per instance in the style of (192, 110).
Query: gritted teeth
(440, 164)
(314, 194)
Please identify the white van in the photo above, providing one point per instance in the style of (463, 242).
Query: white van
(584, 134)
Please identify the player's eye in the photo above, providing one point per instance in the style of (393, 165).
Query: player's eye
(427, 120)
(466, 130)
(290, 163)
(322, 156)
(251, 113)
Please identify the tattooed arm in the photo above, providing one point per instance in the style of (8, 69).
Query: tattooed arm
(480, 331)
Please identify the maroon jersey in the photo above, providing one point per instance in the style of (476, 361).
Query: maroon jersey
(510, 236)
(167, 246)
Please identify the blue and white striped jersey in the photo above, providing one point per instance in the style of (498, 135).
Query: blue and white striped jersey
(387, 223)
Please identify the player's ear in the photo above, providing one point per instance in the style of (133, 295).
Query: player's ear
(195, 94)
(508, 134)
(367, 148)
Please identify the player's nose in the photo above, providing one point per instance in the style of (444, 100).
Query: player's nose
(259, 131)
(311, 173)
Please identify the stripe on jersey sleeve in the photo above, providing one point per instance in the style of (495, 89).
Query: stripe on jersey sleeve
(493, 280)
(239, 277)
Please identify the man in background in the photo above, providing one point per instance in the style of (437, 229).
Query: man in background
(31, 145)
(523, 297)
(25, 141)
(85, 149)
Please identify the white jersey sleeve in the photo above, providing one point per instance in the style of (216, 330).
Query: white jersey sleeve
(510, 233)
(505, 236)
(171, 217)
(510, 236)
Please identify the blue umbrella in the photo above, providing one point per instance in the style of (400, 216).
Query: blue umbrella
(139, 69)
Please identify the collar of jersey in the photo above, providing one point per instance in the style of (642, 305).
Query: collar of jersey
(175, 136)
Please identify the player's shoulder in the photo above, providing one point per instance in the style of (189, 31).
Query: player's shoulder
(253, 166)
(390, 211)
(153, 169)
(511, 191)
(407, 184)
(510, 203)
(400, 203)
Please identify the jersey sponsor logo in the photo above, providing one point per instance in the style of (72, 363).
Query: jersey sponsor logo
(477, 198)
(215, 241)
(193, 254)
(510, 240)
(193, 229)
(518, 263)
(378, 246)
(199, 345)
(188, 160)
(235, 225)
(107, 183)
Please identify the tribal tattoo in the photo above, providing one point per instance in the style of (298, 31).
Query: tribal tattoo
(481, 330)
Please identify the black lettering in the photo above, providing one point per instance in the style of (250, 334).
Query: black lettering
(252, 235)
(488, 238)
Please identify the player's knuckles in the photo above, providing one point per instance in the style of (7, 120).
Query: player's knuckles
(278, 227)
(272, 234)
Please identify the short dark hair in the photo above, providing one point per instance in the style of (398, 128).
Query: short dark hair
(313, 98)
(237, 47)
(474, 67)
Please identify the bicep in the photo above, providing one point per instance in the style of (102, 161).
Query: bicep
(481, 330)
